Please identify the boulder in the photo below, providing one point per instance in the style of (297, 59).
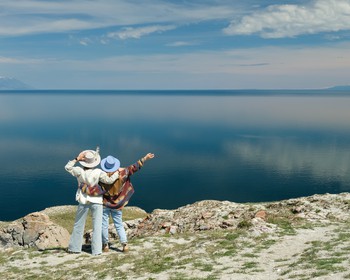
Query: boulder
(34, 230)
(261, 214)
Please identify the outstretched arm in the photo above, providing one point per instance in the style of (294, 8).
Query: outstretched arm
(138, 165)
(148, 156)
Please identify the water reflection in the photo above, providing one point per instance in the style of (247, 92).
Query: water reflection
(325, 162)
(238, 148)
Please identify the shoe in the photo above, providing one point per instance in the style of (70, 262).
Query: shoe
(125, 248)
(71, 252)
(105, 248)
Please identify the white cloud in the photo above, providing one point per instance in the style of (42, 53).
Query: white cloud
(136, 33)
(33, 16)
(12, 60)
(279, 21)
(181, 44)
(36, 26)
(4, 60)
(85, 41)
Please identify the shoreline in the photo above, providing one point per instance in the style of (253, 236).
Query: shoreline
(301, 238)
(57, 208)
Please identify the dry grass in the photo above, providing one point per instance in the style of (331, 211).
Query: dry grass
(65, 216)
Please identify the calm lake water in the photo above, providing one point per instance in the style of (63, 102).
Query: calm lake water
(249, 146)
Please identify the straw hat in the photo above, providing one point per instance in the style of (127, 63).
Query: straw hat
(91, 159)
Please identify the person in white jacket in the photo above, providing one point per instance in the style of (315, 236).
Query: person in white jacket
(89, 195)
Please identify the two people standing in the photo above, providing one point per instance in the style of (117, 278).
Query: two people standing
(97, 188)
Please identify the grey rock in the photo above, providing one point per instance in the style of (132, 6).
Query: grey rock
(34, 230)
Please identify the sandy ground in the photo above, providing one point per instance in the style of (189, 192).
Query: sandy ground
(284, 253)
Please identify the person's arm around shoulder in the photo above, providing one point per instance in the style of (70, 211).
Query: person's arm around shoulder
(104, 178)
(75, 171)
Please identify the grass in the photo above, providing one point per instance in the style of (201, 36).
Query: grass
(66, 219)
(250, 265)
(200, 255)
(324, 257)
(284, 224)
(200, 252)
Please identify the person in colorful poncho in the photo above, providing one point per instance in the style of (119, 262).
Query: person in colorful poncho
(89, 195)
(117, 196)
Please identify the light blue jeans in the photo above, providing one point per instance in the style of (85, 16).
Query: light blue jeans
(76, 239)
(117, 217)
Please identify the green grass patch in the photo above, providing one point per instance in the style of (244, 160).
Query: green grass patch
(250, 265)
(249, 255)
(203, 266)
(284, 224)
(244, 224)
(66, 219)
(325, 257)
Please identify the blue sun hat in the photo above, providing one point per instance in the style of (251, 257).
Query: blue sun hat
(110, 164)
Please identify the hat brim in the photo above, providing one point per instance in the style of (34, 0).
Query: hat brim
(114, 168)
(92, 164)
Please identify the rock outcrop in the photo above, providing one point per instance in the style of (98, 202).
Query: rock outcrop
(257, 218)
(34, 230)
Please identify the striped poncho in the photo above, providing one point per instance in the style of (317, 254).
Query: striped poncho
(118, 194)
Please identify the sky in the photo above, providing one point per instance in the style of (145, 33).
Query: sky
(182, 44)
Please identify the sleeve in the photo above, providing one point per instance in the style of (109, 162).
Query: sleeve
(134, 167)
(75, 171)
(108, 180)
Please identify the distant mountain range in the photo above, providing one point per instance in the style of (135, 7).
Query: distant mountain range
(7, 83)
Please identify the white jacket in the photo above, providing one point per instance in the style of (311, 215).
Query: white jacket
(90, 177)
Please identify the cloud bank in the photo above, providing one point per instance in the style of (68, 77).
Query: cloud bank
(36, 17)
(278, 21)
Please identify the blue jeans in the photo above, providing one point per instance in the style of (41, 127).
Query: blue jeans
(76, 239)
(117, 216)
